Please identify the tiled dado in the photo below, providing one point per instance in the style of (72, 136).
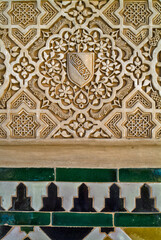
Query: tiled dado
(80, 204)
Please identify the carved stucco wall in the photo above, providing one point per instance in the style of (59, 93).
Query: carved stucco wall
(80, 69)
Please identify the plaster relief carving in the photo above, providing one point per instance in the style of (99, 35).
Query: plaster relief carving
(80, 69)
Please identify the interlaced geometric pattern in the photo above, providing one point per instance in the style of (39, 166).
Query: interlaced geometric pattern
(136, 13)
(23, 125)
(24, 13)
(139, 124)
(80, 69)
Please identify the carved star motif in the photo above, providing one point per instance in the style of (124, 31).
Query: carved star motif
(136, 13)
(24, 13)
(23, 125)
(139, 124)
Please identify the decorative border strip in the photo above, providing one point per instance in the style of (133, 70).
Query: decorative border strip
(23, 183)
(27, 174)
(25, 218)
(140, 175)
(81, 174)
(64, 219)
(137, 219)
(86, 175)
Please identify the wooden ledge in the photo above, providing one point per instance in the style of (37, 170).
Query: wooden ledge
(86, 153)
(80, 142)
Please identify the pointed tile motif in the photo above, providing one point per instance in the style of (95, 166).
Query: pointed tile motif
(21, 202)
(145, 203)
(52, 202)
(114, 203)
(119, 218)
(83, 203)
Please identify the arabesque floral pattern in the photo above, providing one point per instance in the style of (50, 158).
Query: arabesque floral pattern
(106, 70)
(81, 68)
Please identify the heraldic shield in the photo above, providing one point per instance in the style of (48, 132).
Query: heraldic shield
(80, 67)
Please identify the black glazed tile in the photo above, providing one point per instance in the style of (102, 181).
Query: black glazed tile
(145, 203)
(21, 202)
(83, 203)
(114, 203)
(4, 230)
(107, 230)
(66, 233)
(52, 202)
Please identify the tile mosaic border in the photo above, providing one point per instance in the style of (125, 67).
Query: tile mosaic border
(63, 219)
(26, 187)
(80, 203)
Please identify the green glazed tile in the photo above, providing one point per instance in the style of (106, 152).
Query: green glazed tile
(82, 219)
(27, 229)
(25, 218)
(140, 175)
(137, 220)
(86, 175)
(26, 174)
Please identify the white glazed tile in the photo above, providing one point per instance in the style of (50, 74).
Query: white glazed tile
(130, 191)
(119, 234)
(156, 193)
(15, 234)
(36, 190)
(67, 190)
(95, 234)
(38, 234)
(99, 191)
(7, 191)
